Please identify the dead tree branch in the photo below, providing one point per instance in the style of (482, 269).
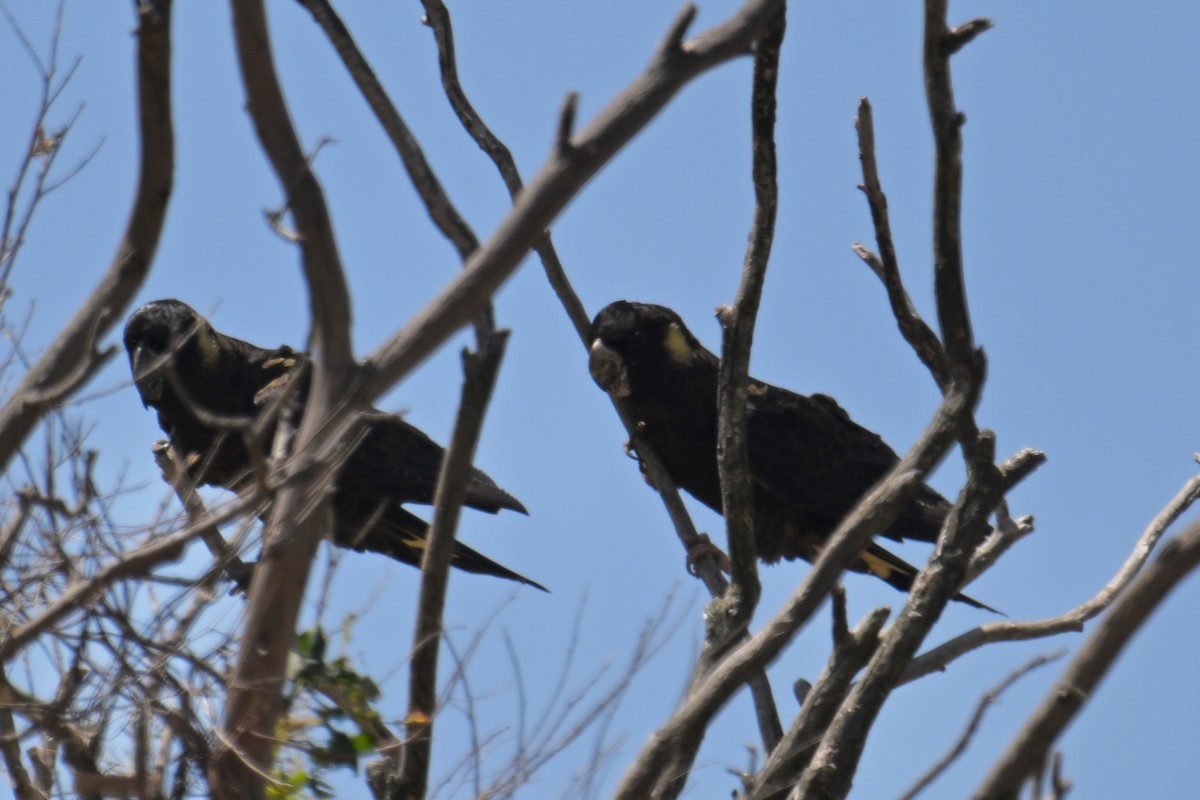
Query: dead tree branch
(412, 777)
(886, 265)
(437, 16)
(560, 179)
(947, 122)
(254, 701)
(939, 657)
(872, 514)
(1067, 697)
(822, 702)
(707, 568)
(44, 147)
(958, 367)
(985, 702)
(833, 765)
(425, 181)
(737, 324)
(73, 357)
(133, 564)
(441, 210)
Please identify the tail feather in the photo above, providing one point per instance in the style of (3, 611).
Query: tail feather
(469, 560)
(897, 572)
(401, 535)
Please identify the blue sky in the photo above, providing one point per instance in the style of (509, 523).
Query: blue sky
(1079, 197)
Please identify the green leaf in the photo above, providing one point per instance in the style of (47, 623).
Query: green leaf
(363, 742)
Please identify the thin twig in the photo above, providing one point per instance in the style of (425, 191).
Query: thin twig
(886, 265)
(131, 565)
(707, 568)
(175, 474)
(559, 180)
(939, 657)
(441, 209)
(1178, 559)
(72, 358)
(480, 369)
(985, 702)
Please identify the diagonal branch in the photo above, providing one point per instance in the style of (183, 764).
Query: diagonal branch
(832, 769)
(78, 595)
(708, 569)
(985, 702)
(441, 210)
(1178, 559)
(560, 179)
(329, 297)
(821, 704)
(437, 16)
(886, 265)
(872, 514)
(939, 657)
(412, 777)
(73, 358)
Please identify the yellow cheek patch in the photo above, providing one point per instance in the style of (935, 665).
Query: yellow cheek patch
(415, 544)
(677, 345)
(207, 343)
(877, 566)
(279, 361)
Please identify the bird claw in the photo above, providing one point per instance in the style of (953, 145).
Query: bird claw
(240, 575)
(704, 548)
(631, 452)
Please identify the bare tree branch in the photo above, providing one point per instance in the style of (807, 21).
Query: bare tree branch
(412, 777)
(328, 296)
(563, 175)
(886, 265)
(872, 514)
(44, 146)
(985, 702)
(936, 659)
(175, 474)
(1067, 697)
(437, 16)
(300, 516)
(73, 358)
(821, 703)
(737, 324)
(833, 766)
(707, 567)
(728, 616)
(947, 122)
(10, 749)
(441, 209)
(136, 563)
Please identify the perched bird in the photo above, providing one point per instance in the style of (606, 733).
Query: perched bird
(809, 462)
(208, 388)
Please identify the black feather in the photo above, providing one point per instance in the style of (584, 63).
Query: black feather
(809, 462)
(209, 388)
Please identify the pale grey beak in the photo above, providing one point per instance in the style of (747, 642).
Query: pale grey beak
(608, 369)
(147, 374)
